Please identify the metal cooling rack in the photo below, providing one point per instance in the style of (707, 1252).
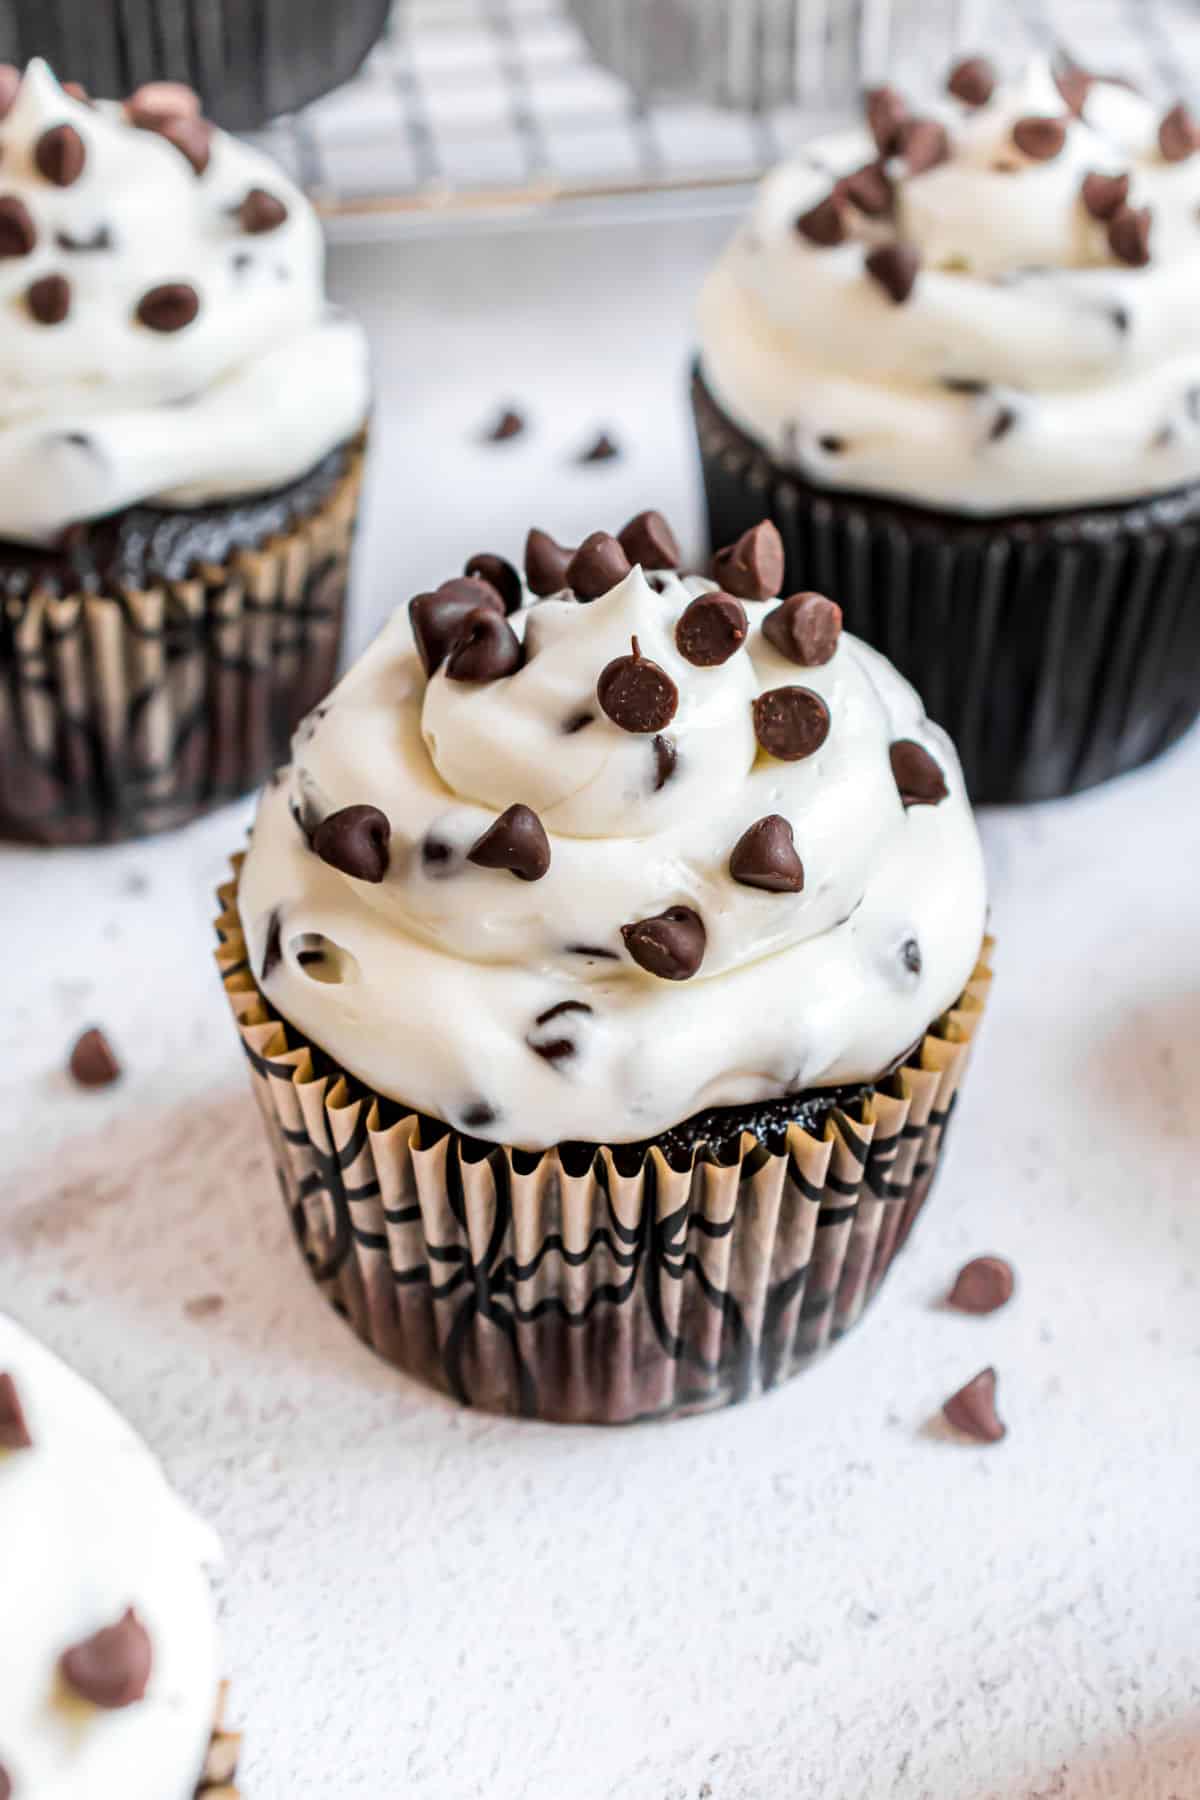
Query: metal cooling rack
(483, 107)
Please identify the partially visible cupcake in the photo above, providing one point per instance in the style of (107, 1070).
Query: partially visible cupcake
(607, 961)
(109, 1662)
(181, 441)
(955, 356)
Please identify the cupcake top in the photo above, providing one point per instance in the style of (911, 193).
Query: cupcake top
(986, 305)
(576, 866)
(108, 1651)
(166, 332)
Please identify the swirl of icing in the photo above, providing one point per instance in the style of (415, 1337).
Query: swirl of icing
(167, 336)
(1042, 350)
(497, 903)
(92, 1531)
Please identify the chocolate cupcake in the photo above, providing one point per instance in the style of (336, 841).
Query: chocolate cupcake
(607, 962)
(109, 1655)
(181, 441)
(952, 355)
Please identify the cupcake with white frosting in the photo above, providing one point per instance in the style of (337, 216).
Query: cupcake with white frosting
(109, 1661)
(607, 958)
(954, 355)
(181, 426)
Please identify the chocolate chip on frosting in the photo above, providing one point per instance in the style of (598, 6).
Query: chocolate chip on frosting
(918, 777)
(355, 840)
(710, 629)
(1178, 134)
(824, 224)
(156, 101)
(973, 1409)
(170, 307)
(486, 648)
(870, 190)
(60, 154)
(17, 233)
(886, 112)
(790, 723)
(649, 540)
(765, 857)
(601, 449)
(895, 267)
(438, 619)
(1074, 84)
(261, 211)
(666, 756)
(973, 81)
(670, 945)
(14, 1429)
(910, 956)
(923, 144)
(556, 1047)
(99, 239)
(805, 628)
(517, 842)
(636, 693)
(112, 1668)
(499, 573)
(983, 1285)
(546, 564)
(597, 566)
(1104, 195)
(1129, 235)
(49, 299)
(93, 1061)
(752, 569)
(1040, 139)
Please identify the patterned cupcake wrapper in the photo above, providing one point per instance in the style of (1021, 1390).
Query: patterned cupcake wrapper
(219, 1774)
(1057, 653)
(531, 1284)
(127, 713)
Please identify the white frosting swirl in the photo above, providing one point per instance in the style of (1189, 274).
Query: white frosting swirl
(90, 1528)
(434, 980)
(1085, 370)
(99, 411)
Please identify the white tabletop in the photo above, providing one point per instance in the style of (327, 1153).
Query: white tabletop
(816, 1597)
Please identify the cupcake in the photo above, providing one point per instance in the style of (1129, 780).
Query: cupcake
(607, 961)
(108, 1657)
(952, 354)
(181, 441)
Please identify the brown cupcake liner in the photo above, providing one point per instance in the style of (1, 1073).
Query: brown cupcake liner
(219, 1775)
(558, 1287)
(130, 712)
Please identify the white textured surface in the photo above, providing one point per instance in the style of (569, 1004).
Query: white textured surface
(815, 1598)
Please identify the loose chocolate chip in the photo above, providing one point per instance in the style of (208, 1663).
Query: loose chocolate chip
(1129, 235)
(100, 239)
(973, 81)
(92, 1062)
(438, 619)
(923, 144)
(273, 947)
(649, 540)
(112, 1669)
(597, 566)
(710, 629)
(669, 945)
(983, 1285)
(60, 154)
(546, 564)
(790, 723)
(191, 137)
(601, 449)
(355, 840)
(1104, 195)
(824, 224)
(869, 190)
(919, 779)
(10, 81)
(1178, 134)
(1074, 84)
(155, 101)
(486, 648)
(886, 113)
(17, 234)
(636, 693)
(14, 1430)
(752, 569)
(498, 573)
(765, 857)
(577, 722)
(1039, 139)
(170, 307)
(261, 211)
(665, 758)
(910, 955)
(507, 424)
(973, 1409)
(805, 628)
(49, 299)
(517, 842)
(895, 267)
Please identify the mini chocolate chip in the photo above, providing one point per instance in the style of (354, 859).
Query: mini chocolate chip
(546, 564)
(438, 619)
(1129, 235)
(869, 190)
(170, 307)
(805, 628)
(499, 573)
(192, 138)
(1039, 139)
(983, 1285)
(765, 857)
(17, 233)
(516, 841)
(155, 101)
(824, 224)
(918, 777)
(636, 693)
(577, 722)
(669, 945)
(273, 947)
(100, 239)
(261, 211)
(1002, 424)
(486, 648)
(649, 540)
(910, 955)
(594, 952)
(49, 299)
(973, 1409)
(790, 723)
(964, 384)
(601, 449)
(923, 144)
(14, 1428)
(711, 628)
(1104, 195)
(1120, 319)
(556, 1050)
(895, 267)
(833, 445)
(507, 424)
(355, 840)
(886, 112)
(10, 82)
(437, 858)
(1178, 134)
(973, 80)
(752, 569)
(1074, 84)
(111, 1669)
(92, 1062)
(597, 566)
(60, 154)
(561, 1008)
(478, 1114)
(666, 756)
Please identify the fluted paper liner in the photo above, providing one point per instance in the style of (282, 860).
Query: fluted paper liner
(125, 713)
(221, 1760)
(526, 1284)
